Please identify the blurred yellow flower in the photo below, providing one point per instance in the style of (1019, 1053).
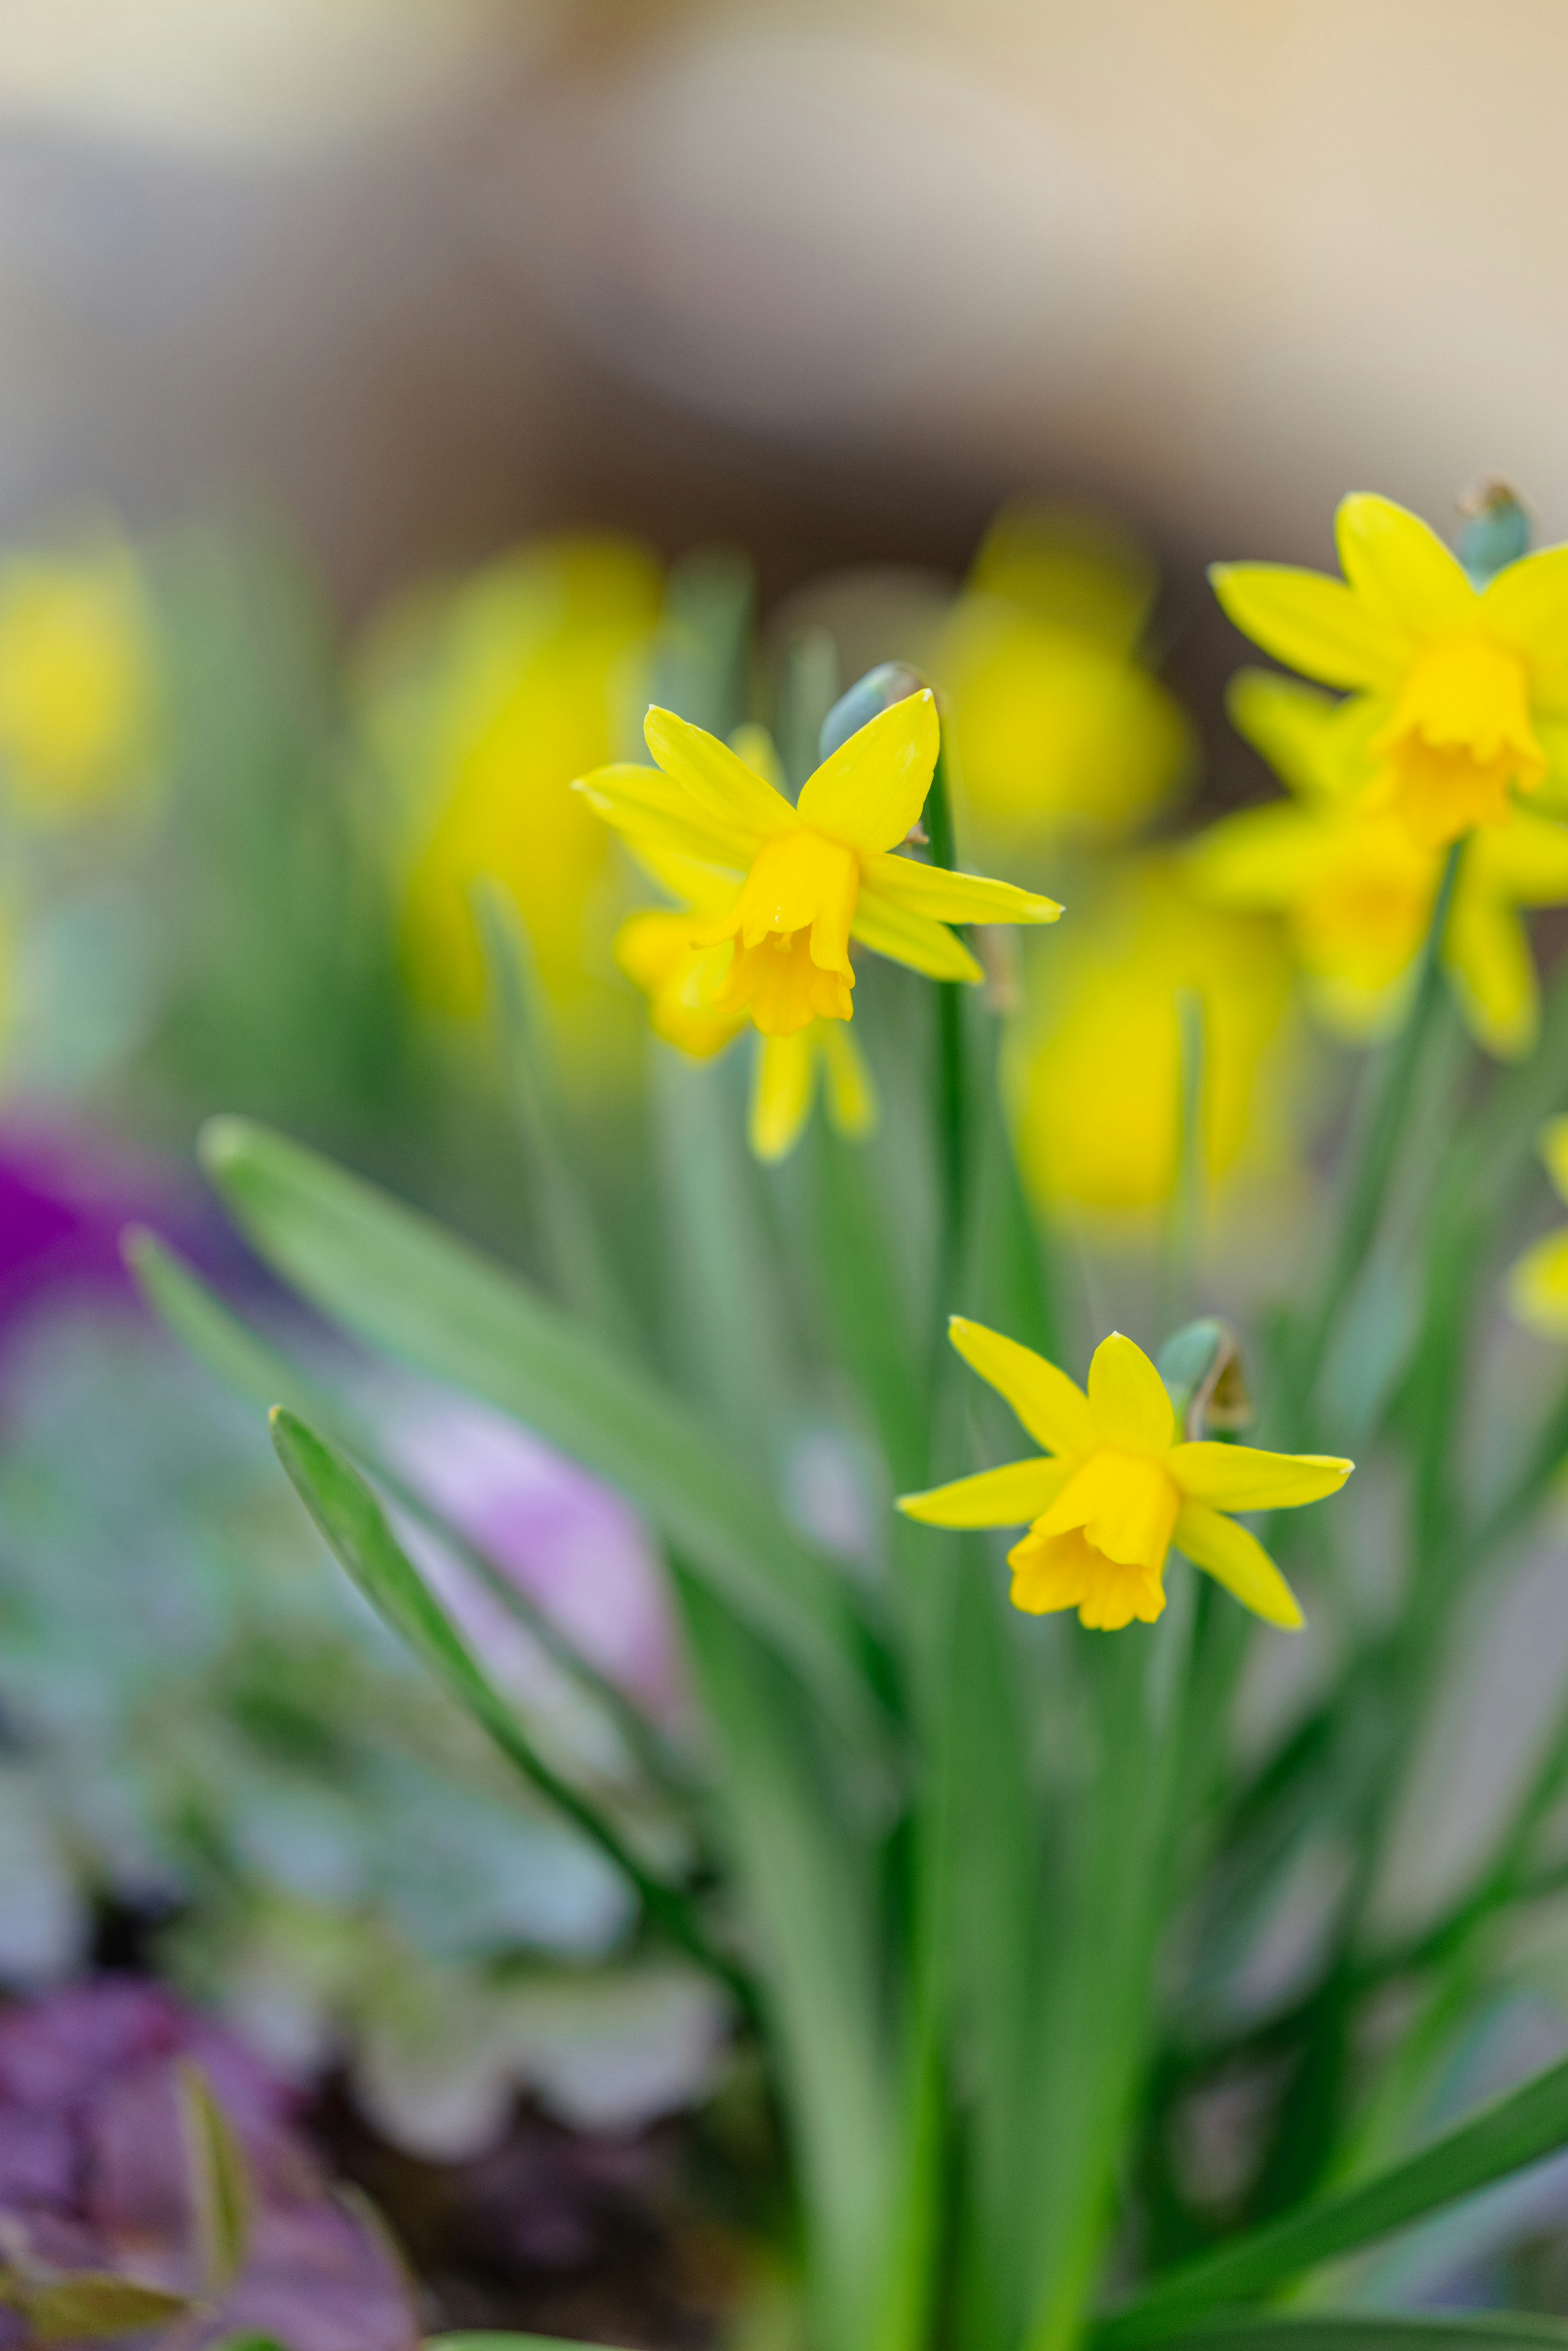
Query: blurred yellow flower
(1356, 890)
(1464, 690)
(804, 880)
(1116, 1486)
(1059, 731)
(1094, 1069)
(656, 949)
(483, 703)
(76, 680)
(1538, 1281)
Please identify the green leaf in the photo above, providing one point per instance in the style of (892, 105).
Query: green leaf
(394, 1277)
(355, 1530)
(1512, 2131)
(90, 2306)
(254, 1368)
(1362, 2330)
(221, 2182)
(533, 1087)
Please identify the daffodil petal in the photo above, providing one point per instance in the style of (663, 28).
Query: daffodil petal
(1401, 569)
(1053, 1408)
(1538, 1287)
(1287, 722)
(1238, 1561)
(947, 897)
(1010, 1496)
(702, 889)
(874, 786)
(1131, 1409)
(1491, 971)
(783, 1081)
(1525, 859)
(1527, 606)
(656, 816)
(1241, 1477)
(1316, 624)
(852, 1095)
(729, 792)
(1553, 1145)
(915, 939)
(1258, 857)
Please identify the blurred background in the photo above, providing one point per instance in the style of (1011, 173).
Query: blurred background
(385, 390)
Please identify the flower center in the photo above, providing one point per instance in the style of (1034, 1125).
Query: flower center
(1100, 1547)
(791, 928)
(1459, 737)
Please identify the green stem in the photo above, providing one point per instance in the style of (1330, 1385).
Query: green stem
(952, 1087)
(1384, 1134)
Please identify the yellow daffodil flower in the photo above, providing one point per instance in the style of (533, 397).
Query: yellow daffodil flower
(1464, 690)
(1100, 1032)
(482, 704)
(1538, 1281)
(655, 948)
(77, 681)
(1060, 732)
(805, 880)
(1355, 889)
(1117, 1487)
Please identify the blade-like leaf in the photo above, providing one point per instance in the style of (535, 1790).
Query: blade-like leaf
(1364, 2330)
(221, 2186)
(263, 1374)
(355, 1530)
(1512, 2131)
(394, 1277)
(92, 2307)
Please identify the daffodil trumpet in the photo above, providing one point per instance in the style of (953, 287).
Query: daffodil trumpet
(806, 880)
(1118, 1483)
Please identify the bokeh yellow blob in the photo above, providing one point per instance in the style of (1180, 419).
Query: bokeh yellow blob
(1094, 1070)
(484, 705)
(77, 681)
(1058, 729)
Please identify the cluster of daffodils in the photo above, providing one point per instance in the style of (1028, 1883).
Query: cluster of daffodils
(775, 894)
(1453, 727)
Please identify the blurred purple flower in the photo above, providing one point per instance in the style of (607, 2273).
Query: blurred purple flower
(93, 2171)
(64, 1200)
(571, 1544)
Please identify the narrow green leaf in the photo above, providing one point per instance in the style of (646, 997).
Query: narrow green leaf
(539, 1116)
(1512, 2131)
(352, 1521)
(220, 2184)
(91, 2307)
(393, 1276)
(254, 1368)
(1372, 2330)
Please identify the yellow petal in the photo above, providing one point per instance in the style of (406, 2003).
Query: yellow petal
(1011, 1497)
(1132, 1411)
(1487, 956)
(1527, 606)
(1238, 1561)
(852, 1095)
(1316, 624)
(783, 1081)
(754, 744)
(1261, 857)
(702, 889)
(915, 939)
(727, 791)
(954, 897)
(656, 816)
(1125, 1506)
(1553, 1145)
(1053, 1408)
(1290, 724)
(874, 786)
(1401, 569)
(1525, 859)
(1240, 1477)
(1538, 1287)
